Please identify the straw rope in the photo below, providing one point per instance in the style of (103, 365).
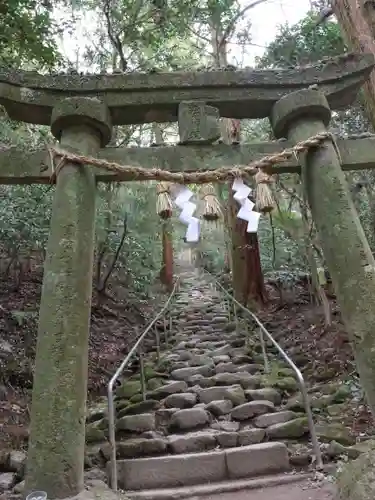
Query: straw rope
(197, 177)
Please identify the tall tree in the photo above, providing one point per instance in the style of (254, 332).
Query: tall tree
(356, 20)
(247, 274)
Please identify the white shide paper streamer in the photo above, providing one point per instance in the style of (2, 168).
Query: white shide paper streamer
(186, 216)
(246, 211)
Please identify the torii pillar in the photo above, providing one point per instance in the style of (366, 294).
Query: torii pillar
(298, 116)
(57, 433)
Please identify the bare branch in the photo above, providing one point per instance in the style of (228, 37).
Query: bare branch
(324, 15)
(114, 37)
(198, 35)
(103, 286)
(232, 25)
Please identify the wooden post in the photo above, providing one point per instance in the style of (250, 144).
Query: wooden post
(166, 272)
(57, 432)
(300, 115)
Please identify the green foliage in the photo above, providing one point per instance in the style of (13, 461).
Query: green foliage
(24, 219)
(131, 208)
(303, 43)
(27, 33)
(132, 35)
(280, 249)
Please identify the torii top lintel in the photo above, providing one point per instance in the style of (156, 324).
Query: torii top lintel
(143, 98)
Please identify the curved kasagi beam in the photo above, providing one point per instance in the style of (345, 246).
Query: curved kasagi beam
(143, 98)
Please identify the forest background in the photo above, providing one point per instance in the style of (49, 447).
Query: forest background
(106, 36)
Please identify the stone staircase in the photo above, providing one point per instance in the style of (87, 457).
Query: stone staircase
(213, 421)
(211, 413)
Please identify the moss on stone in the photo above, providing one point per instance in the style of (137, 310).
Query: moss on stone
(94, 434)
(141, 407)
(288, 384)
(164, 365)
(365, 446)
(96, 411)
(295, 403)
(334, 431)
(128, 389)
(57, 430)
(341, 394)
(286, 372)
(136, 398)
(293, 429)
(335, 410)
(121, 403)
(322, 401)
(154, 384)
(356, 480)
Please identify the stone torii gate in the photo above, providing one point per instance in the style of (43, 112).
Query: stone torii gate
(81, 111)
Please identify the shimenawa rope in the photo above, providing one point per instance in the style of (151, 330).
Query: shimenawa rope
(197, 177)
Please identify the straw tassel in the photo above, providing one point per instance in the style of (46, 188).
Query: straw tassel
(211, 210)
(264, 200)
(164, 200)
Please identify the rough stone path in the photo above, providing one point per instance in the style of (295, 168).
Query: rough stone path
(298, 491)
(211, 413)
(211, 416)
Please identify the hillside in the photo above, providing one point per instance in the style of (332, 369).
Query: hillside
(324, 353)
(114, 325)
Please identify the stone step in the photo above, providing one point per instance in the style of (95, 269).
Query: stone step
(249, 487)
(202, 468)
(212, 398)
(218, 424)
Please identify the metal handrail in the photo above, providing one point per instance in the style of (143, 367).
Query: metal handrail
(121, 368)
(301, 381)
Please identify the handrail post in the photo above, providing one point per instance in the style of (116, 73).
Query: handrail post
(157, 338)
(264, 351)
(142, 370)
(310, 421)
(165, 333)
(247, 334)
(235, 316)
(112, 435)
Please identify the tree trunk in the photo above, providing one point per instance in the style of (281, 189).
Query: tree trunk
(356, 19)
(254, 289)
(357, 28)
(369, 15)
(166, 272)
(247, 274)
